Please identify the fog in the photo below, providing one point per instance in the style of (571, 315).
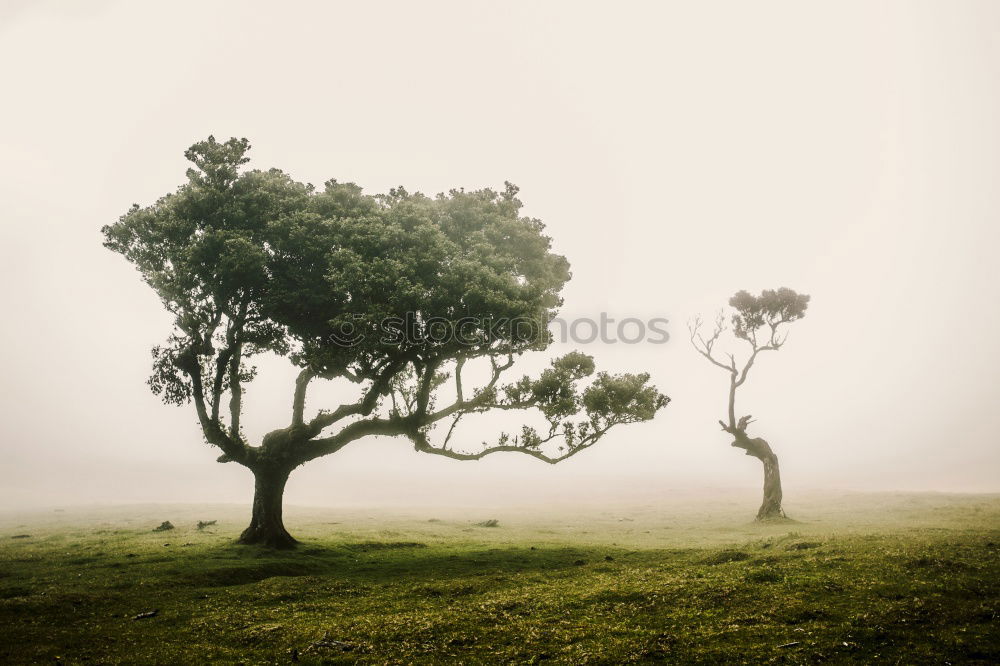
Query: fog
(678, 152)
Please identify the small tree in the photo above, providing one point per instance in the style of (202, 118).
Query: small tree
(397, 294)
(757, 320)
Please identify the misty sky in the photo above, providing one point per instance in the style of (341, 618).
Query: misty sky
(677, 152)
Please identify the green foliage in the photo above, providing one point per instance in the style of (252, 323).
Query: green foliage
(555, 391)
(416, 278)
(615, 397)
(609, 400)
(394, 292)
(290, 267)
(205, 250)
(770, 309)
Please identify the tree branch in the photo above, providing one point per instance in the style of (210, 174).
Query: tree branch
(318, 448)
(299, 399)
(363, 407)
(235, 390)
(234, 449)
(459, 364)
(228, 361)
(479, 401)
(422, 444)
(705, 348)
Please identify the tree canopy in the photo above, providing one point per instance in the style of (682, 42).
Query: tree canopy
(393, 292)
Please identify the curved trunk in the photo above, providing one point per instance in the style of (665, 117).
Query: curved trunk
(266, 526)
(770, 507)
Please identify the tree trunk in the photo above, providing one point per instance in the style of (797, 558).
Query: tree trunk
(770, 507)
(266, 526)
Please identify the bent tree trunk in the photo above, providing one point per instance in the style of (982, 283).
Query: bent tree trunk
(770, 507)
(266, 526)
(757, 447)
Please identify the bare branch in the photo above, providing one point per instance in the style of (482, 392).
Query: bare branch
(459, 364)
(704, 347)
(379, 387)
(233, 448)
(451, 429)
(477, 402)
(299, 401)
(421, 444)
(317, 448)
(235, 390)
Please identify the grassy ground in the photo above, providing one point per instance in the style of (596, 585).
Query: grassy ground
(894, 579)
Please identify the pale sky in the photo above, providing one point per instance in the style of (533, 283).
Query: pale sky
(677, 151)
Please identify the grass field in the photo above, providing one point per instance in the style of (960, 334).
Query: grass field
(858, 578)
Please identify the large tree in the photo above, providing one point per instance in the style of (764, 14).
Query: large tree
(399, 294)
(757, 321)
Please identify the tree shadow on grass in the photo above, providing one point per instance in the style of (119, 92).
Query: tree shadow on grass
(373, 562)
